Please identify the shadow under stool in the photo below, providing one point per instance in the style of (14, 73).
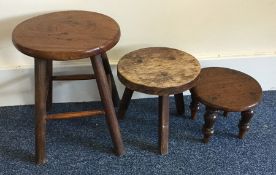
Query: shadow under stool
(227, 90)
(64, 36)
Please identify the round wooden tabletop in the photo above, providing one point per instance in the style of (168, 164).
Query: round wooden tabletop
(158, 70)
(66, 35)
(227, 89)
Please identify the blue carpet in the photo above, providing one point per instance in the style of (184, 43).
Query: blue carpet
(83, 146)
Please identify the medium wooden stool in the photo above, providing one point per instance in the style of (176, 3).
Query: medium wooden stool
(158, 71)
(70, 35)
(227, 90)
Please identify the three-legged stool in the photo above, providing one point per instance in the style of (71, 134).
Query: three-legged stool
(158, 71)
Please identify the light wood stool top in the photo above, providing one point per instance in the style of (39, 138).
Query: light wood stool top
(158, 70)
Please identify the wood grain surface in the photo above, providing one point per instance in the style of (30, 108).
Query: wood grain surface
(158, 70)
(66, 35)
(227, 89)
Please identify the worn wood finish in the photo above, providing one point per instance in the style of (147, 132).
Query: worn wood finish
(66, 35)
(158, 70)
(71, 115)
(227, 90)
(208, 128)
(179, 102)
(106, 98)
(40, 109)
(244, 122)
(163, 103)
(113, 88)
(124, 103)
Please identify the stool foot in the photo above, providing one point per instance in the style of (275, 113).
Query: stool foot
(208, 127)
(40, 109)
(194, 106)
(244, 122)
(110, 78)
(163, 103)
(106, 98)
(179, 101)
(124, 103)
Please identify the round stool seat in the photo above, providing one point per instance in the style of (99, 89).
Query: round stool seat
(227, 89)
(66, 35)
(158, 70)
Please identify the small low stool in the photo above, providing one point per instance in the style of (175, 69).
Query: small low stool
(227, 90)
(158, 71)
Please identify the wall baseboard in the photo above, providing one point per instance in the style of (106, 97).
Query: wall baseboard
(17, 84)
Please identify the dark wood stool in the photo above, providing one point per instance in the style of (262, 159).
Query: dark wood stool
(158, 71)
(70, 35)
(227, 90)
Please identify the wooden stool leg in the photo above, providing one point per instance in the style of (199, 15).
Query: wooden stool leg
(108, 104)
(244, 122)
(124, 103)
(194, 106)
(50, 84)
(208, 128)
(114, 92)
(179, 101)
(163, 102)
(40, 109)
(225, 113)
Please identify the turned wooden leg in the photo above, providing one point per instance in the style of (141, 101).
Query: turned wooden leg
(208, 127)
(244, 122)
(110, 78)
(40, 109)
(163, 102)
(124, 103)
(194, 106)
(179, 101)
(108, 104)
(50, 84)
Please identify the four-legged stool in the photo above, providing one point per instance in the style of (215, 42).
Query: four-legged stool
(227, 90)
(158, 71)
(70, 35)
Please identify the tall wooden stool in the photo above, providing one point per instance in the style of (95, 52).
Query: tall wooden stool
(70, 35)
(227, 90)
(158, 71)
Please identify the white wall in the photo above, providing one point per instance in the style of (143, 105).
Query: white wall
(233, 33)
